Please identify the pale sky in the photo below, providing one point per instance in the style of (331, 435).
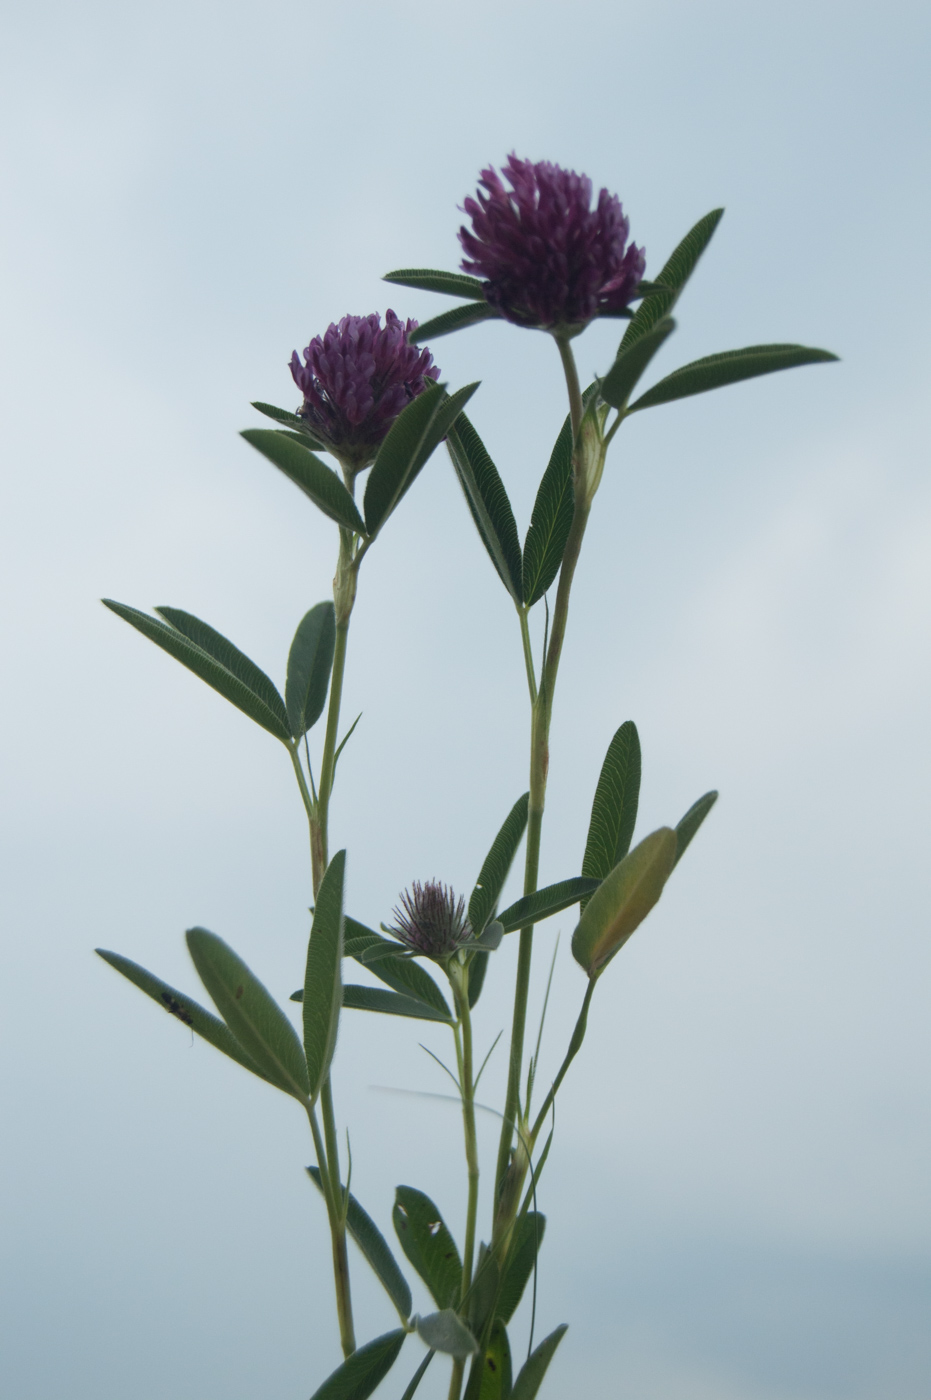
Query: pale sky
(737, 1195)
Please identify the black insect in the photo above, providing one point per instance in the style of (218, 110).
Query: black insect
(176, 1009)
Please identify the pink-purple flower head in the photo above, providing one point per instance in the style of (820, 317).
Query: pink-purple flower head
(431, 920)
(355, 379)
(546, 257)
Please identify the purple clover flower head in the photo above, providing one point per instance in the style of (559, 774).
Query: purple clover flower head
(355, 379)
(546, 257)
(431, 920)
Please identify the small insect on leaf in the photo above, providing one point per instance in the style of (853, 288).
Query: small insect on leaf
(176, 1009)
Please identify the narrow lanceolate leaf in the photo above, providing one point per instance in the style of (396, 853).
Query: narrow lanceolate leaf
(314, 477)
(401, 974)
(730, 367)
(624, 375)
(428, 1244)
(528, 1236)
(291, 420)
(532, 908)
(687, 827)
(310, 662)
(259, 707)
(417, 1377)
(323, 988)
(477, 969)
(496, 865)
(550, 520)
(455, 320)
(228, 655)
(415, 433)
(534, 1368)
(488, 501)
(496, 1368)
(668, 285)
(623, 900)
(363, 1372)
(614, 810)
(426, 279)
(375, 1248)
(444, 1331)
(184, 1009)
(255, 1018)
(359, 998)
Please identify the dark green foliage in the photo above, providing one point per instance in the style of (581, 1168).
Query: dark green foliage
(359, 998)
(375, 1248)
(668, 285)
(425, 279)
(307, 471)
(402, 974)
(534, 1368)
(323, 990)
(292, 421)
(528, 1236)
(246, 687)
(550, 520)
(496, 865)
(614, 810)
(687, 827)
(496, 1378)
(488, 501)
(532, 908)
(310, 662)
(730, 367)
(428, 1244)
(455, 320)
(415, 433)
(477, 969)
(362, 1372)
(255, 1018)
(624, 375)
(185, 1010)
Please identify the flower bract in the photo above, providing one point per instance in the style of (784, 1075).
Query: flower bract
(356, 378)
(546, 257)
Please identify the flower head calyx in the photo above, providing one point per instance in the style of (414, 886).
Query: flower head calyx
(431, 920)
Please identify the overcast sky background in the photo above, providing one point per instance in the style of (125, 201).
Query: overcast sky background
(738, 1195)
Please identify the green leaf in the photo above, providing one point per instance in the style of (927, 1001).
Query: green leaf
(550, 520)
(623, 376)
(528, 1236)
(668, 285)
(455, 320)
(680, 264)
(228, 684)
(323, 988)
(425, 279)
(496, 1370)
(412, 437)
(488, 501)
(496, 865)
(614, 810)
(362, 1372)
(533, 908)
(730, 367)
(185, 1010)
(428, 1244)
(444, 1331)
(401, 974)
(359, 998)
(291, 420)
(687, 827)
(375, 1248)
(478, 966)
(534, 1368)
(310, 662)
(314, 477)
(623, 900)
(229, 657)
(256, 1020)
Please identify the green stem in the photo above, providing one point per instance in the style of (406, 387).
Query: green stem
(528, 654)
(578, 1035)
(539, 767)
(336, 1217)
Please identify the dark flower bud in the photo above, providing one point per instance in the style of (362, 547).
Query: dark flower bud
(431, 920)
(355, 379)
(546, 257)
